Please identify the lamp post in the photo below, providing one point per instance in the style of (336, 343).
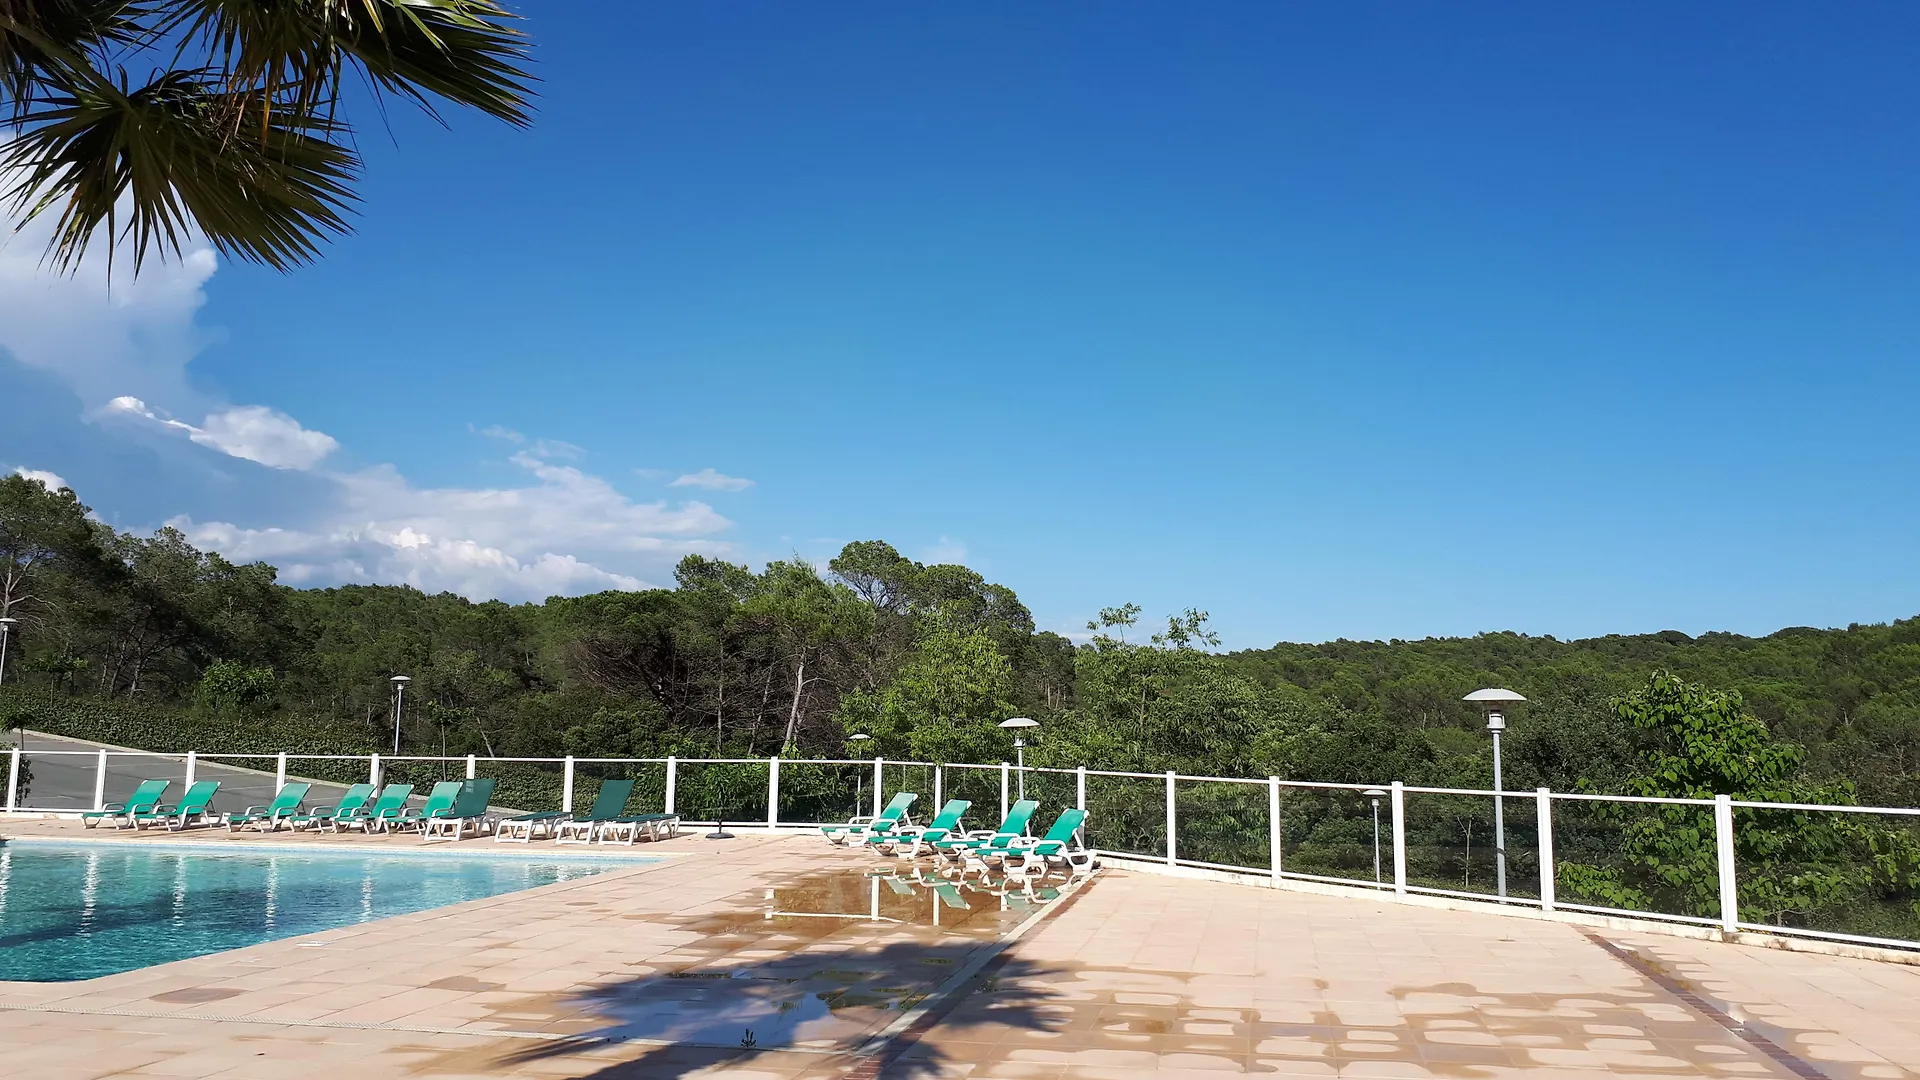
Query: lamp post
(859, 777)
(5, 626)
(1493, 702)
(1374, 795)
(399, 694)
(1018, 724)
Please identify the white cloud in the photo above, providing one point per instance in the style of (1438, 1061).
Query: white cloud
(712, 481)
(568, 532)
(250, 432)
(124, 351)
(104, 338)
(52, 480)
(948, 550)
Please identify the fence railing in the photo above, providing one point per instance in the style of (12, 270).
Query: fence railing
(1503, 847)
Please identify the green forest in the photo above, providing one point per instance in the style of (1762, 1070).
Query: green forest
(144, 641)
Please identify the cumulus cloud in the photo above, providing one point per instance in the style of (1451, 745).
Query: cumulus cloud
(712, 480)
(566, 532)
(249, 432)
(269, 488)
(51, 480)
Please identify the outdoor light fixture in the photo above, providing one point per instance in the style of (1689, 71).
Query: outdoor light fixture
(5, 626)
(1493, 702)
(1017, 724)
(860, 777)
(1374, 795)
(399, 692)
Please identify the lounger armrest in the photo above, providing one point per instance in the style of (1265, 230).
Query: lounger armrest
(251, 811)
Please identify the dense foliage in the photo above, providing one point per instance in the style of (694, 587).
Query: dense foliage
(144, 641)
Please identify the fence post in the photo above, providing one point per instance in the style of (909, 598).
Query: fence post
(13, 780)
(1003, 790)
(470, 765)
(673, 779)
(1274, 855)
(1546, 848)
(373, 769)
(566, 786)
(100, 784)
(773, 794)
(1729, 883)
(1080, 802)
(1173, 847)
(1399, 796)
(279, 772)
(190, 764)
(878, 765)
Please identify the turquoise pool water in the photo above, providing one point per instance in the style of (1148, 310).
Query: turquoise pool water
(79, 911)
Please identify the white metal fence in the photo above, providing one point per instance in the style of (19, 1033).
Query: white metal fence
(1501, 847)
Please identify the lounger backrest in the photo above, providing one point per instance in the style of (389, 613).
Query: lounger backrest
(473, 799)
(950, 814)
(898, 806)
(289, 798)
(442, 797)
(1066, 825)
(612, 800)
(198, 796)
(392, 798)
(1017, 818)
(147, 794)
(355, 798)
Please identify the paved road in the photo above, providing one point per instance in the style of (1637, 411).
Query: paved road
(64, 781)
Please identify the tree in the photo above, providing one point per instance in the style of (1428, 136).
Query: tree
(226, 117)
(1793, 865)
(43, 534)
(949, 696)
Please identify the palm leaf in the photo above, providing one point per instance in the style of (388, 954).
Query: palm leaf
(267, 191)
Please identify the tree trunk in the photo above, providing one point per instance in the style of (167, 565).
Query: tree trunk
(793, 714)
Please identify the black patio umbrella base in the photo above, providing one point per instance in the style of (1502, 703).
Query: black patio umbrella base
(719, 832)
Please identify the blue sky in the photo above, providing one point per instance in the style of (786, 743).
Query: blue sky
(1367, 321)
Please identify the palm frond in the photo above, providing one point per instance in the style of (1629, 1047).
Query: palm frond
(37, 36)
(266, 190)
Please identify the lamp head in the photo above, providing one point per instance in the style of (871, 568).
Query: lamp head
(1375, 793)
(1493, 702)
(1019, 722)
(401, 680)
(859, 736)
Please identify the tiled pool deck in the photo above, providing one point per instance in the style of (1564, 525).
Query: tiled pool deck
(625, 975)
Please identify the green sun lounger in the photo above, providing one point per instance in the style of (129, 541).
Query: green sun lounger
(469, 808)
(268, 818)
(350, 803)
(610, 803)
(894, 814)
(970, 849)
(440, 798)
(948, 821)
(627, 829)
(142, 801)
(195, 804)
(1061, 844)
(388, 808)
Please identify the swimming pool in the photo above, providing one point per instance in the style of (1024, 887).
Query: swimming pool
(79, 911)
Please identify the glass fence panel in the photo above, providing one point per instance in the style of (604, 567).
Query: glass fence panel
(734, 792)
(1222, 823)
(1453, 843)
(819, 792)
(66, 781)
(249, 780)
(331, 771)
(1054, 792)
(979, 786)
(895, 779)
(1329, 833)
(649, 783)
(1645, 857)
(1128, 815)
(1831, 872)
